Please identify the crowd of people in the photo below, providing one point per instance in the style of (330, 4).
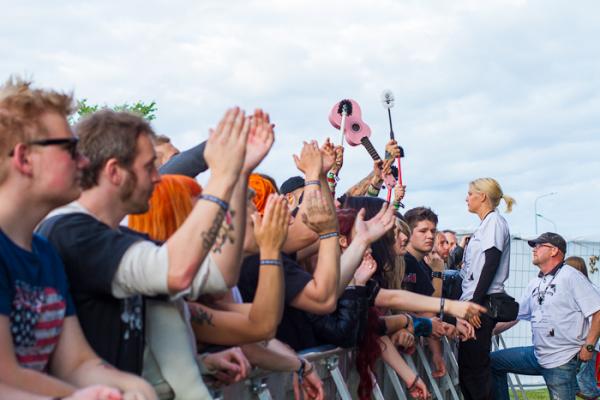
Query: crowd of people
(122, 278)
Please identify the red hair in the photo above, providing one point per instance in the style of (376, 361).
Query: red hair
(346, 218)
(262, 188)
(170, 204)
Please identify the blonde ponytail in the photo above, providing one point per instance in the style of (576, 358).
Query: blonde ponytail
(510, 202)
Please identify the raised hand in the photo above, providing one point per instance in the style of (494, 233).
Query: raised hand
(366, 269)
(373, 229)
(339, 159)
(319, 217)
(226, 146)
(310, 161)
(328, 154)
(392, 150)
(399, 192)
(435, 262)
(271, 229)
(260, 140)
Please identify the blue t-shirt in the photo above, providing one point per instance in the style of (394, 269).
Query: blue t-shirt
(34, 295)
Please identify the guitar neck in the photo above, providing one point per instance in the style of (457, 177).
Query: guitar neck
(369, 146)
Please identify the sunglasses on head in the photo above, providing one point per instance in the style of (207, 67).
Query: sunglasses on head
(69, 144)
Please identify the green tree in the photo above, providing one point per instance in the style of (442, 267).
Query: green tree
(143, 109)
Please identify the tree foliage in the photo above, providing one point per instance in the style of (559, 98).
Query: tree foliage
(143, 109)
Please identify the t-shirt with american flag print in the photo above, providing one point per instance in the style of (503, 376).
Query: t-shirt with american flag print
(34, 296)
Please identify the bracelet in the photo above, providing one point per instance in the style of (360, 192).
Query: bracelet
(216, 200)
(437, 274)
(328, 235)
(372, 190)
(270, 262)
(300, 370)
(309, 370)
(442, 302)
(414, 384)
(315, 182)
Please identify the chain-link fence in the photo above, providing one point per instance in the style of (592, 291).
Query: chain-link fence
(522, 271)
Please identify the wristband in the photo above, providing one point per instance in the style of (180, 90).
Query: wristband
(315, 182)
(414, 384)
(437, 274)
(300, 370)
(373, 191)
(442, 302)
(216, 200)
(328, 235)
(270, 262)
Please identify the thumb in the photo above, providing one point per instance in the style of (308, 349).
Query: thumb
(361, 215)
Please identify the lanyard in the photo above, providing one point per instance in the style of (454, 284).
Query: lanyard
(542, 296)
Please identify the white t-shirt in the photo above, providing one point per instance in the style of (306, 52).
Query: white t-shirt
(560, 324)
(492, 232)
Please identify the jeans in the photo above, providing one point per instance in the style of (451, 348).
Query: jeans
(561, 381)
(586, 378)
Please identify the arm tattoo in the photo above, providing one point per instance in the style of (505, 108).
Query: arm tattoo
(225, 232)
(200, 316)
(208, 238)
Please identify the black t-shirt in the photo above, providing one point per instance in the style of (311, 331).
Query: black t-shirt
(295, 328)
(417, 276)
(91, 252)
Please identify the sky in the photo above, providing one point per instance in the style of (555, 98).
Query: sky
(506, 89)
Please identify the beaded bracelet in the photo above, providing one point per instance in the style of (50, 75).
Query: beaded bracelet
(216, 200)
(315, 182)
(328, 235)
(270, 262)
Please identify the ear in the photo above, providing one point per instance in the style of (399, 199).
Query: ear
(21, 160)
(291, 200)
(113, 172)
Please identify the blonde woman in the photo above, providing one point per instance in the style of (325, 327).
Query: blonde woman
(485, 269)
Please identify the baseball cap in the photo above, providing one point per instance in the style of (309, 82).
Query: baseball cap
(291, 184)
(552, 238)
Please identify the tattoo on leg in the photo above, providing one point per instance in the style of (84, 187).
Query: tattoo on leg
(200, 316)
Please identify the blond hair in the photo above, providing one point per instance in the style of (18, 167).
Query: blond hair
(493, 191)
(395, 275)
(20, 110)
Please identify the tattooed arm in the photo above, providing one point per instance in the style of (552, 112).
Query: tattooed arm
(191, 243)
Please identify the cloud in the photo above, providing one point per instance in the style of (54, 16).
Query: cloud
(507, 89)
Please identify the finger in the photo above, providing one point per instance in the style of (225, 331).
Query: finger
(256, 221)
(229, 121)
(297, 161)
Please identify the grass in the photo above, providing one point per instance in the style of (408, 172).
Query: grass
(539, 394)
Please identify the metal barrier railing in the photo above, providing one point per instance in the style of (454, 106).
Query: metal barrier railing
(336, 368)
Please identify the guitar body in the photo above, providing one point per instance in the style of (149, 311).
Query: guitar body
(355, 128)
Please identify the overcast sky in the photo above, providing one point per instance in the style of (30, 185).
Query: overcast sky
(507, 89)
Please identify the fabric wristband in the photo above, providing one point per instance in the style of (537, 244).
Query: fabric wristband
(328, 235)
(216, 200)
(315, 182)
(268, 261)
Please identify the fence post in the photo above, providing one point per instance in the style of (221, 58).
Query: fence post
(332, 364)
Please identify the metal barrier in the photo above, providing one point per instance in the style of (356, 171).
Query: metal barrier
(336, 368)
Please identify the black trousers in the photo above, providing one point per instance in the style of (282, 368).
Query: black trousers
(474, 371)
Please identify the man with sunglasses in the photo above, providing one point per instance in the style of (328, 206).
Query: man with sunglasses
(42, 347)
(558, 303)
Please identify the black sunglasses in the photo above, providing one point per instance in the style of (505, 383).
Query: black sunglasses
(69, 144)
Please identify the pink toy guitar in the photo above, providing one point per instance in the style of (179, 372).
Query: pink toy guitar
(346, 116)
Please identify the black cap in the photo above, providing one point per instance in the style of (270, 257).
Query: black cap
(291, 184)
(551, 238)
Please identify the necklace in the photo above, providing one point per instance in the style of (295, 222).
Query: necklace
(542, 296)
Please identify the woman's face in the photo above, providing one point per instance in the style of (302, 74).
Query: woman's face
(474, 199)
(400, 243)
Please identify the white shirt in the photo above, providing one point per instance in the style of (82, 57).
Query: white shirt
(491, 232)
(560, 324)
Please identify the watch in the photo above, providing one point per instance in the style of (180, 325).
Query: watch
(589, 347)
(437, 274)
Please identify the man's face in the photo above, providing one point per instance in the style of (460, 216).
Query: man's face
(441, 246)
(422, 236)
(57, 171)
(140, 178)
(543, 253)
(164, 152)
(451, 238)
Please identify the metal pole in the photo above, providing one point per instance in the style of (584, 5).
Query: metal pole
(535, 213)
